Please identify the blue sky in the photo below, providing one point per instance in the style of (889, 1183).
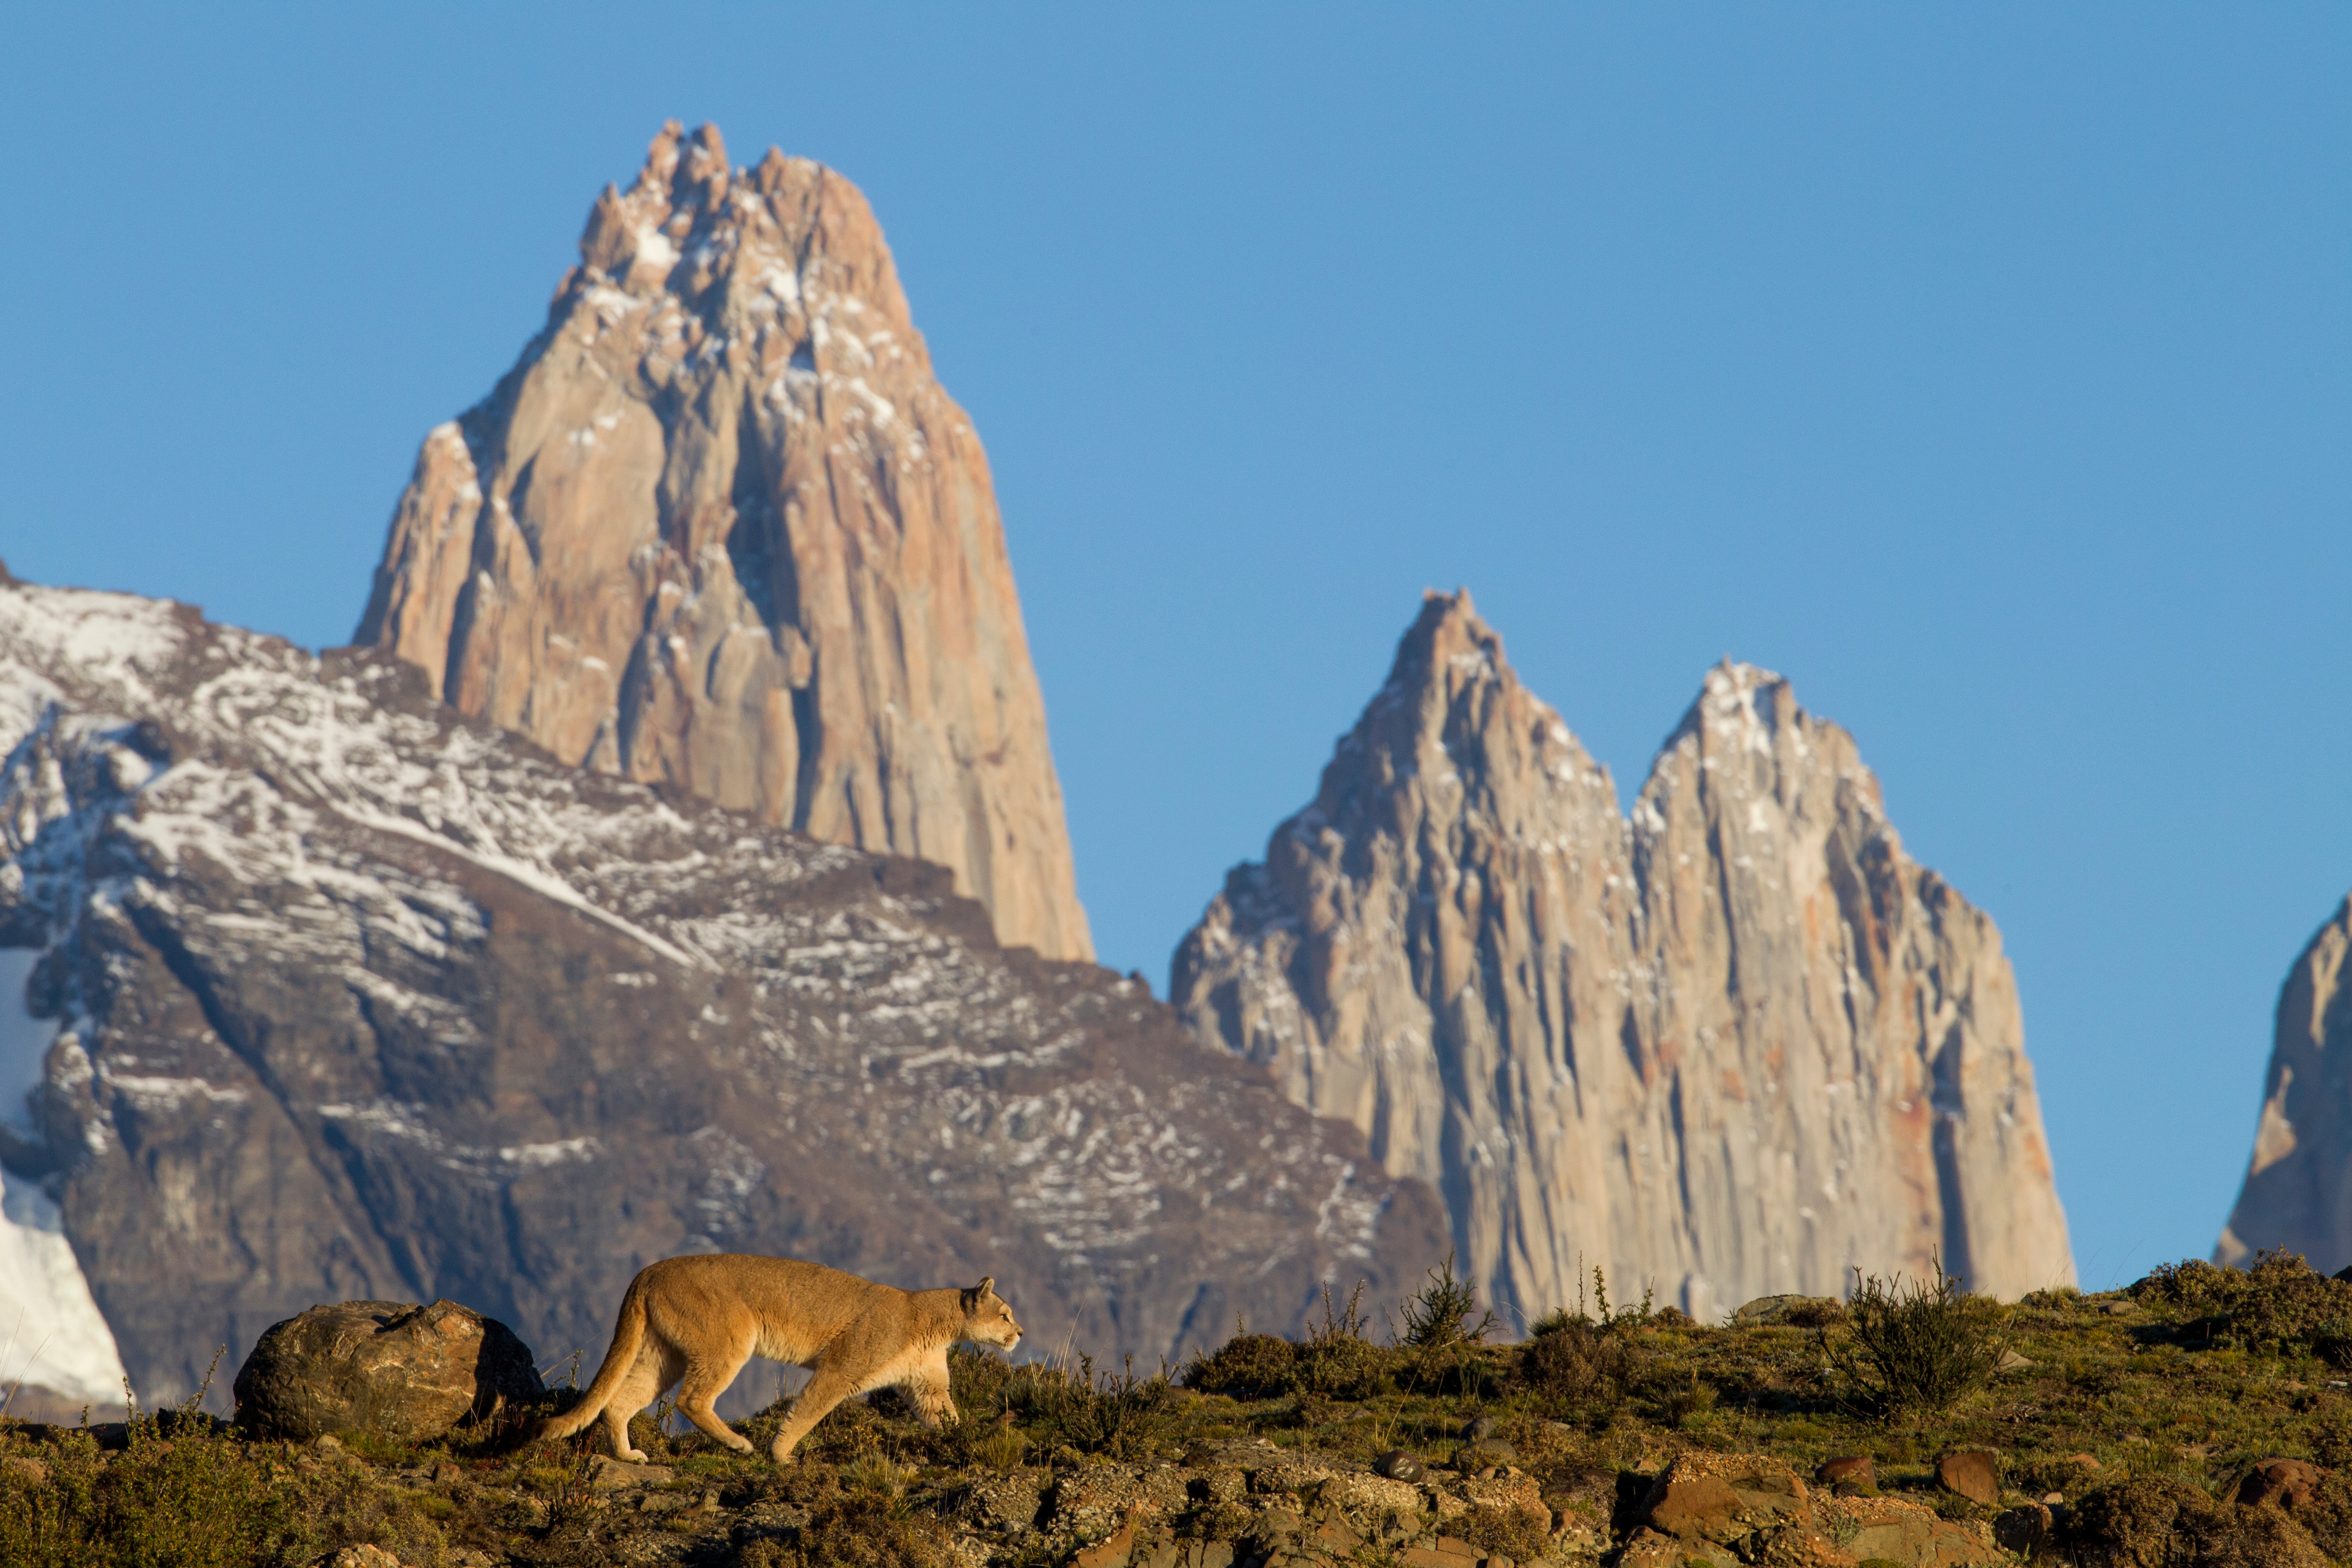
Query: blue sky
(1985, 370)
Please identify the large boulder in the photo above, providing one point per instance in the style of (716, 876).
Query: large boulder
(388, 1368)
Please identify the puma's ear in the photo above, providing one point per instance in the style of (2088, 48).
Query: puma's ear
(971, 1299)
(987, 1285)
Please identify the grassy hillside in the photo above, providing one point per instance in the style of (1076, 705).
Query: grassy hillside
(2144, 1413)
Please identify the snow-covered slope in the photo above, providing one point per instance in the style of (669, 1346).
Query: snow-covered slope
(346, 996)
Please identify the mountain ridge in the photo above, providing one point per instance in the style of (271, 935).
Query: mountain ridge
(354, 997)
(1671, 1041)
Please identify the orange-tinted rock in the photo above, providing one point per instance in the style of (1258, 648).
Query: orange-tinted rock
(2287, 1482)
(1971, 1473)
(1858, 1468)
(722, 528)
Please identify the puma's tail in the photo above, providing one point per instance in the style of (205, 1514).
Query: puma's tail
(628, 1338)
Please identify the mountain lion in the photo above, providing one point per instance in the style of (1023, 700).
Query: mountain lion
(699, 1319)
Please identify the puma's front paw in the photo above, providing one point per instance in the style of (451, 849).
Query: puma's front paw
(635, 1455)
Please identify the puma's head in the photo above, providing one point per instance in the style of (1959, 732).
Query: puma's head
(987, 1318)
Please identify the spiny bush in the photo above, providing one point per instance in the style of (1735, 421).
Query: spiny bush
(1571, 1362)
(856, 1519)
(1920, 1346)
(2282, 1306)
(1116, 1414)
(1436, 1316)
(1338, 1361)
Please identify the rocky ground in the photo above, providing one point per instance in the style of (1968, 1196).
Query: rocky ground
(2201, 1418)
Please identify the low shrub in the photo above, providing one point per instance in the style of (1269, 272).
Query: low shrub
(1247, 1366)
(2282, 1306)
(857, 1520)
(1116, 1414)
(1572, 1362)
(1920, 1346)
(1437, 1316)
(2161, 1521)
(203, 1499)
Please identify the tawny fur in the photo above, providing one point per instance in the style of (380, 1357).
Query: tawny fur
(694, 1321)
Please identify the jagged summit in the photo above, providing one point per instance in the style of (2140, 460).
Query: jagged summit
(1731, 1044)
(720, 527)
(2296, 1194)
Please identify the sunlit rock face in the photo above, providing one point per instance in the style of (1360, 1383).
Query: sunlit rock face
(2298, 1188)
(322, 991)
(720, 527)
(1738, 1045)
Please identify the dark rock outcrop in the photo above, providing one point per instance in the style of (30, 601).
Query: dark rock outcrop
(356, 998)
(390, 1369)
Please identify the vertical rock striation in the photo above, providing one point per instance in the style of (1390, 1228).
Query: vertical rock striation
(2298, 1189)
(1738, 1044)
(720, 527)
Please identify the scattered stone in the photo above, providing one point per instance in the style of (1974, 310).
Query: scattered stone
(603, 1470)
(2026, 1531)
(1971, 1473)
(1478, 1455)
(1006, 1502)
(1112, 1551)
(31, 1470)
(2083, 1461)
(1399, 1466)
(1858, 1468)
(2012, 1361)
(398, 1370)
(2116, 1308)
(1481, 1427)
(360, 1557)
(2290, 1483)
(1800, 1311)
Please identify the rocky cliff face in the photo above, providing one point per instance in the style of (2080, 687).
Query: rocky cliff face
(721, 528)
(330, 992)
(2298, 1189)
(1740, 1044)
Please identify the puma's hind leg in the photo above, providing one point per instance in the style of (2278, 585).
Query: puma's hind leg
(656, 1367)
(708, 1377)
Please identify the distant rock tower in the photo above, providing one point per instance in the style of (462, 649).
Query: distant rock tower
(720, 527)
(1739, 1045)
(2298, 1188)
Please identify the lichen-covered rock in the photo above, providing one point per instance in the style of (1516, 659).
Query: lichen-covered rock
(1726, 1047)
(387, 1368)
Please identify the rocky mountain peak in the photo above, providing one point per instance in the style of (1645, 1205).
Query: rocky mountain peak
(1734, 1044)
(2298, 1188)
(720, 527)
